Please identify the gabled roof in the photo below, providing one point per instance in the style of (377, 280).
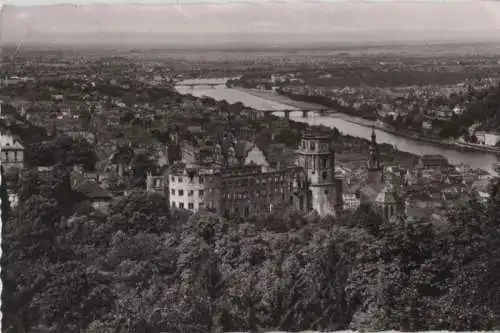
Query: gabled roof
(93, 191)
(16, 145)
(89, 189)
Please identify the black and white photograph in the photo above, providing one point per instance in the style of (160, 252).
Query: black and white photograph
(176, 166)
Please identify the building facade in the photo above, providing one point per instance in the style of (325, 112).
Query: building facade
(11, 153)
(378, 191)
(316, 156)
(233, 188)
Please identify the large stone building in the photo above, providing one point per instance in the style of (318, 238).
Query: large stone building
(233, 184)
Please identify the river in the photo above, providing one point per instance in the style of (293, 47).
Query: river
(477, 160)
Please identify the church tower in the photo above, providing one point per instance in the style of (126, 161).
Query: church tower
(387, 202)
(316, 156)
(375, 168)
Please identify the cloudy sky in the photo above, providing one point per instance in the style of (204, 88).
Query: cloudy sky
(367, 20)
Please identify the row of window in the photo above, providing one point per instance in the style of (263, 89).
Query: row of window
(310, 163)
(191, 205)
(180, 179)
(190, 193)
(312, 146)
(12, 156)
(246, 195)
(255, 181)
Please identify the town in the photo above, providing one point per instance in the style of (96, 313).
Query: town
(86, 138)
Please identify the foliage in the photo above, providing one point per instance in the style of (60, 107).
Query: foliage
(145, 268)
(140, 211)
(4, 196)
(55, 184)
(63, 149)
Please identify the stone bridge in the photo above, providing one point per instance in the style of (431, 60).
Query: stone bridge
(305, 112)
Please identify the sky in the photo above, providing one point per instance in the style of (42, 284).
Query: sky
(374, 20)
(83, 2)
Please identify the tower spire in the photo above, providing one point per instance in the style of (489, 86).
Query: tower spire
(375, 173)
(374, 136)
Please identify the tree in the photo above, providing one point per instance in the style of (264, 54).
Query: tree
(4, 196)
(141, 211)
(209, 226)
(72, 297)
(55, 186)
(63, 149)
(141, 165)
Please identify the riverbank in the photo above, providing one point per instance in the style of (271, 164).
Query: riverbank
(452, 144)
(277, 98)
(355, 127)
(476, 147)
(299, 105)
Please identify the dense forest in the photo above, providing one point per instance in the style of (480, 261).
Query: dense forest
(144, 268)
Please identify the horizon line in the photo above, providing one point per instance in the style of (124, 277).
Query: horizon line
(230, 2)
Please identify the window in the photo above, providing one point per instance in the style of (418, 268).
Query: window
(326, 192)
(247, 211)
(181, 205)
(190, 193)
(201, 205)
(173, 179)
(325, 163)
(313, 146)
(180, 179)
(202, 180)
(325, 175)
(181, 193)
(201, 193)
(173, 204)
(236, 210)
(191, 205)
(173, 191)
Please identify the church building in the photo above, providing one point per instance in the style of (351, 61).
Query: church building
(378, 191)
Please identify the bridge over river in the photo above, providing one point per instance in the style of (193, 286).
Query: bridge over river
(478, 160)
(305, 112)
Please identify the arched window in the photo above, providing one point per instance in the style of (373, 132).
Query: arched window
(313, 146)
(325, 175)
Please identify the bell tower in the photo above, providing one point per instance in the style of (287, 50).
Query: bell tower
(375, 168)
(316, 156)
